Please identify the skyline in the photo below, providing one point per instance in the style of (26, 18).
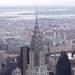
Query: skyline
(38, 2)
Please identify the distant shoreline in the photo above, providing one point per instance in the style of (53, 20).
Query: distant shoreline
(39, 7)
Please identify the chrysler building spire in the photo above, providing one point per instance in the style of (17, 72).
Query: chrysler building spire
(36, 16)
(36, 43)
(36, 23)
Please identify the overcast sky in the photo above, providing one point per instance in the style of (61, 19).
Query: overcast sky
(39, 2)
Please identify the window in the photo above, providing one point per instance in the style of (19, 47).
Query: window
(41, 58)
(31, 58)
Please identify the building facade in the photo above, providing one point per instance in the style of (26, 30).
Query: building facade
(24, 59)
(16, 71)
(36, 55)
(63, 66)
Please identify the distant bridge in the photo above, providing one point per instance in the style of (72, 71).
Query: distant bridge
(55, 49)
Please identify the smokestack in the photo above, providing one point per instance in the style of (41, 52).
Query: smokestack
(55, 31)
(59, 32)
(43, 33)
(64, 32)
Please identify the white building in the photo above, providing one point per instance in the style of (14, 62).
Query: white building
(16, 71)
(36, 55)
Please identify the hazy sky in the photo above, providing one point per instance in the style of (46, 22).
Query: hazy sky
(39, 2)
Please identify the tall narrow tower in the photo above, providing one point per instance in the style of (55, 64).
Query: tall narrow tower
(54, 31)
(36, 44)
(36, 55)
(59, 32)
(65, 33)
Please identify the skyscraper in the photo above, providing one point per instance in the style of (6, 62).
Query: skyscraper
(63, 66)
(36, 55)
(24, 59)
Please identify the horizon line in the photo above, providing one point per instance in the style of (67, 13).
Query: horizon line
(37, 6)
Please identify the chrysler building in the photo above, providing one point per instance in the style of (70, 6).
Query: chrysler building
(37, 64)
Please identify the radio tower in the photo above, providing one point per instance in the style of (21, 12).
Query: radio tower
(59, 32)
(54, 31)
(65, 33)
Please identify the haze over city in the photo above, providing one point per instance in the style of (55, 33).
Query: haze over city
(39, 2)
